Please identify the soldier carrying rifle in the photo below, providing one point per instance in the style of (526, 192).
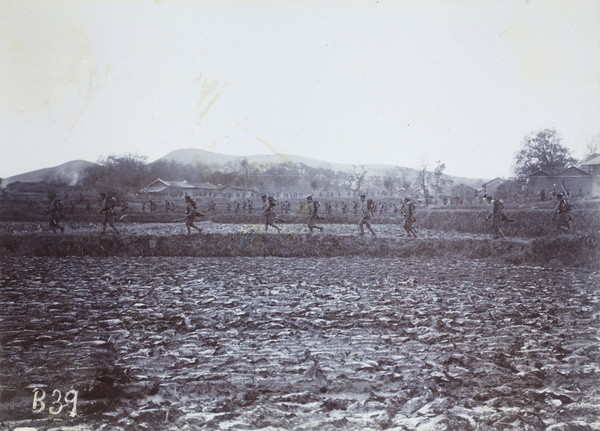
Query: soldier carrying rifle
(408, 209)
(191, 211)
(269, 213)
(497, 216)
(314, 216)
(107, 207)
(367, 208)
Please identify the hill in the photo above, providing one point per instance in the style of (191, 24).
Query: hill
(192, 155)
(70, 173)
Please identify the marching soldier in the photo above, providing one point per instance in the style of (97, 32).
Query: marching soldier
(107, 207)
(191, 210)
(269, 213)
(314, 216)
(408, 209)
(367, 208)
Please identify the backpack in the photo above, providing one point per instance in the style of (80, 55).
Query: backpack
(566, 205)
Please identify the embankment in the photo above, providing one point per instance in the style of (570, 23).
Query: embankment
(561, 250)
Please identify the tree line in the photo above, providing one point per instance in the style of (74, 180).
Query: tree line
(121, 174)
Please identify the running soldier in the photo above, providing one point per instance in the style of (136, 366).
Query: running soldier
(191, 211)
(314, 216)
(561, 215)
(497, 216)
(269, 213)
(408, 209)
(107, 207)
(367, 210)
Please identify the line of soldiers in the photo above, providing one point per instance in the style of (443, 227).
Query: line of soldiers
(561, 214)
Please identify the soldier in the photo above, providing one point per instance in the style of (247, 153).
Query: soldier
(108, 205)
(314, 216)
(561, 214)
(191, 208)
(269, 213)
(497, 216)
(408, 209)
(367, 209)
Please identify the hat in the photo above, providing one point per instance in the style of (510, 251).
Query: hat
(263, 196)
(102, 194)
(309, 198)
(363, 196)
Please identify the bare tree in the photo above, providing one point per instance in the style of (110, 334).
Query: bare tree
(424, 182)
(357, 178)
(592, 148)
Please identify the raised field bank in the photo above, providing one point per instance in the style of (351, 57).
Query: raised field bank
(241, 328)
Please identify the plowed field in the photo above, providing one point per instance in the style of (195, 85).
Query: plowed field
(165, 343)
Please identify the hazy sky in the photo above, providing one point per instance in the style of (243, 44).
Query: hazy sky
(394, 82)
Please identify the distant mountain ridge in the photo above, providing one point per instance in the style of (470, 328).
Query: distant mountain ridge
(70, 173)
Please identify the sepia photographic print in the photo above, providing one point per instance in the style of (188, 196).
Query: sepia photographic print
(299, 215)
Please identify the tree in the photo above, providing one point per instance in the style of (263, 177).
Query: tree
(424, 182)
(390, 179)
(119, 174)
(542, 151)
(438, 173)
(592, 148)
(356, 179)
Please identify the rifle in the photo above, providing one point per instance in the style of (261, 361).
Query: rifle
(562, 184)
(197, 213)
(122, 218)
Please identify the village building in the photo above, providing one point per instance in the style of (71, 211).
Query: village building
(490, 188)
(592, 166)
(462, 194)
(235, 192)
(165, 188)
(577, 181)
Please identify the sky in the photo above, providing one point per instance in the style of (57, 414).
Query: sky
(400, 82)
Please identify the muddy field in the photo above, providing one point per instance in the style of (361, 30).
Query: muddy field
(166, 343)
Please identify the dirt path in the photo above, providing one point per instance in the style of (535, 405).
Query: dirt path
(208, 227)
(302, 344)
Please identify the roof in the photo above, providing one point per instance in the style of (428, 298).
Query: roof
(539, 174)
(159, 185)
(463, 187)
(572, 172)
(591, 162)
(181, 184)
(492, 181)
